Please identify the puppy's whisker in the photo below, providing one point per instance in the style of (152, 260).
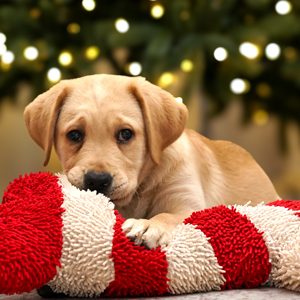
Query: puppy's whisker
(117, 187)
(115, 191)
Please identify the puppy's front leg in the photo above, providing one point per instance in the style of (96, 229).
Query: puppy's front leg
(154, 232)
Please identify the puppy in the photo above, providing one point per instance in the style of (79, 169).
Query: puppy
(125, 137)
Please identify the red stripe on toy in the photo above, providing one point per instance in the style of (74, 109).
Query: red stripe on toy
(239, 247)
(138, 271)
(293, 205)
(31, 230)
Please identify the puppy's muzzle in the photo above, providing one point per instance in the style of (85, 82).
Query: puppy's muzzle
(100, 182)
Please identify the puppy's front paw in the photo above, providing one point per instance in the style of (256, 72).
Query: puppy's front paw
(146, 233)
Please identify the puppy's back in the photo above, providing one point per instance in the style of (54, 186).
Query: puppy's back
(229, 174)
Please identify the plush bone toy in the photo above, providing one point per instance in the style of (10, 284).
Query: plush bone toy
(50, 232)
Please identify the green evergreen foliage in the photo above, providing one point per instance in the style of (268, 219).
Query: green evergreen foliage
(189, 29)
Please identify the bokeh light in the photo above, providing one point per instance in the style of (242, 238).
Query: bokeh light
(2, 38)
(3, 49)
(35, 13)
(122, 25)
(220, 54)
(290, 53)
(157, 11)
(166, 79)
(239, 86)
(135, 68)
(73, 28)
(92, 52)
(260, 117)
(31, 53)
(54, 75)
(249, 50)
(89, 5)
(187, 65)
(8, 57)
(272, 51)
(283, 7)
(65, 58)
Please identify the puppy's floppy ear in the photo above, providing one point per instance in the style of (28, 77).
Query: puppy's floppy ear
(164, 117)
(41, 116)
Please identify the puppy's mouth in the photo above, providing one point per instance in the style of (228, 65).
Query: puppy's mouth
(115, 189)
(119, 194)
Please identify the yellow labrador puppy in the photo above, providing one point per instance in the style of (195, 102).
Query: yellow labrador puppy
(125, 137)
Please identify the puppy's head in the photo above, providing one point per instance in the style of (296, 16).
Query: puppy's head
(107, 130)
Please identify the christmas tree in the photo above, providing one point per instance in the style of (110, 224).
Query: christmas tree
(246, 47)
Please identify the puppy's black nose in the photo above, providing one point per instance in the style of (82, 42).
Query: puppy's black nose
(100, 182)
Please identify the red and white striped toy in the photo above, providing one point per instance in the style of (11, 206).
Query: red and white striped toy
(50, 232)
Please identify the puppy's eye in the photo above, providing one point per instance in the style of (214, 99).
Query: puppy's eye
(125, 135)
(75, 136)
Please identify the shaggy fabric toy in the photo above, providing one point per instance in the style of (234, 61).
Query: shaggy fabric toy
(50, 232)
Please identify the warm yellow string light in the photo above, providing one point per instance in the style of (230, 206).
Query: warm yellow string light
(92, 52)
(35, 13)
(31, 53)
(73, 28)
(187, 65)
(157, 11)
(249, 50)
(260, 117)
(65, 58)
(166, 79)
(89, 5)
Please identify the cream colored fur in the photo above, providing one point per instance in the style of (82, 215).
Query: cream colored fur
(164, 173)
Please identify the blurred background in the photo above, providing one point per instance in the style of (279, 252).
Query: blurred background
(235, 64)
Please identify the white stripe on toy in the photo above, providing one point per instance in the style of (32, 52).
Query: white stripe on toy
(192, 263)
(280, 227)
(288, 274)
(87, 268)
